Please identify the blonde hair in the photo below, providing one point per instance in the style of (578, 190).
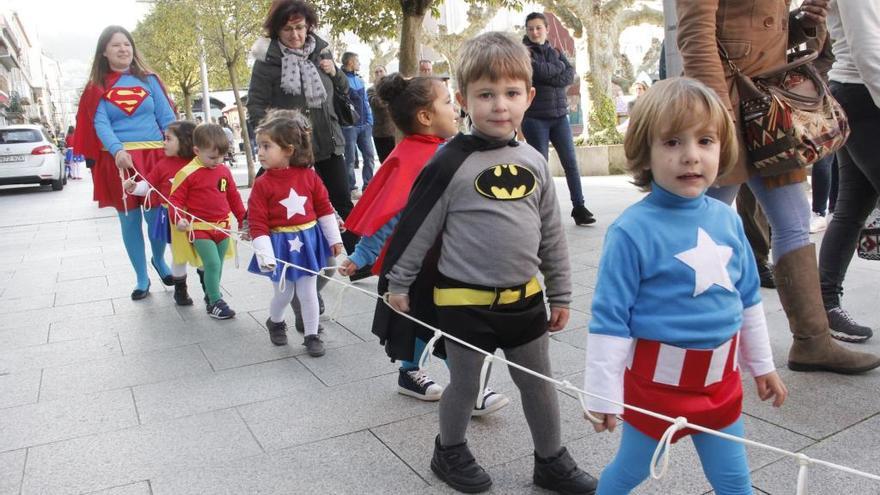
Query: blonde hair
(494, 55)
(668, 107)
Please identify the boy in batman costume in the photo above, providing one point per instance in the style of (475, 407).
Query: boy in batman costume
(493, 203)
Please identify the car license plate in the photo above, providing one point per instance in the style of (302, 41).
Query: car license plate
(11, 158)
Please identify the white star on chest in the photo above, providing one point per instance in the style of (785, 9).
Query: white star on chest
(709, 262)
(295, 244)
(295, 204)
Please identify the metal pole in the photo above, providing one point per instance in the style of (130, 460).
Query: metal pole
(203, 65)
(674, 65)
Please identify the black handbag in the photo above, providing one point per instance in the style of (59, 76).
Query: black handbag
(345, 110)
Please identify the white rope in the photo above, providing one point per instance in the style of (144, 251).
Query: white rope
(429, 350)
(484, 372)
(676, 423)
(664, 448)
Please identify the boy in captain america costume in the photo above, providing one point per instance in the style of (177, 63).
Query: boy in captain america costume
(677, 307)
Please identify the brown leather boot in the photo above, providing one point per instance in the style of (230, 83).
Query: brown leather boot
(797, 281)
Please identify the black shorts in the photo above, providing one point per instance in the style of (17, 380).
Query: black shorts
(490, 327)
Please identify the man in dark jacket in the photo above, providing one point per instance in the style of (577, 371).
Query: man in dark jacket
(546, 120)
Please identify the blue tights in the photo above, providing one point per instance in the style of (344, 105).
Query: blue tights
(157, 246)
(131, 223)
(724, 462)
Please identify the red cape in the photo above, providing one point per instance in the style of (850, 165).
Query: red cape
(389, 189)
(85, 140)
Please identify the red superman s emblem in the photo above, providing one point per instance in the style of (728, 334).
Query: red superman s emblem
(127, 99)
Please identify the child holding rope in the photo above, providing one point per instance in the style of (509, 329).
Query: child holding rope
(422, 109)
(204, 197)
(178, 148)
(677, 309)
(492, 202)
(291, 219)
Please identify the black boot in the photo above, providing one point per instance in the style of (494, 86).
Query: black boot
(456, 466)
(562, 475)
(277, 332)
(181, 298)
(765, 273)
(202, 282)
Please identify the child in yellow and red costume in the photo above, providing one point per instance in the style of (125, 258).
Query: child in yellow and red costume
(677, 309)
(291, 219)
(205, 198)
(178, 147)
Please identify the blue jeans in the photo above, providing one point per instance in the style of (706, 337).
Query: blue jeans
(359, 138)
(787, 210)
(724, 462)
(540, 132)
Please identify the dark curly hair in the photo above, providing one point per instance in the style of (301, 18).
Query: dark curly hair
(282, 11)
(183, 131)
(289, 129)
(405, 97)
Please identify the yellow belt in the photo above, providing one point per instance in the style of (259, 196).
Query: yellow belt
(294, 228)
(210, 225)
(478, 297)
(141, 145)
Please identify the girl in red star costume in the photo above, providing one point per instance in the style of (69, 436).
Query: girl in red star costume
(178, 148)
(291, 219)
(122, 113)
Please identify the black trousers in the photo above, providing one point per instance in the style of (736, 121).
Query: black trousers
(335, 176)
(384, 145)
(858, 187)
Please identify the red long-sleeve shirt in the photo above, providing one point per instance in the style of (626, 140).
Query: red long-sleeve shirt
(284, 197)
(210, 194)
(162, 173)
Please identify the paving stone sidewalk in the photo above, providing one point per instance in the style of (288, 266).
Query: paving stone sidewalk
(100, 394)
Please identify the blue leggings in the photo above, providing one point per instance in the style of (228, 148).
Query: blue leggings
(724, 462)
(131, 223)
(787, 210)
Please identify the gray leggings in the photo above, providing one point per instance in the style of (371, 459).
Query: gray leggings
(539, 399)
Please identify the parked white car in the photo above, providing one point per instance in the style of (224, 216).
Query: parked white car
(28, 156)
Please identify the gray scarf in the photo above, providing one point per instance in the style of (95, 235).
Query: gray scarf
(300, 76)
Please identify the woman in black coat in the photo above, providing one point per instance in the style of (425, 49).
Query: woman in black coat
(294, 69)
(546, 120)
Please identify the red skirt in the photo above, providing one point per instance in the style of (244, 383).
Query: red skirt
(108, 185)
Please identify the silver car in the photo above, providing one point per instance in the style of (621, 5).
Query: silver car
(28, 156)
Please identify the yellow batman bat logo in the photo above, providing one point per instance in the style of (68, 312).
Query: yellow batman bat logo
(506, 182)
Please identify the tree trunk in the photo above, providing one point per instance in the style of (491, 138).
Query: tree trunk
(248, 152)
(187, 104)
(410, 34)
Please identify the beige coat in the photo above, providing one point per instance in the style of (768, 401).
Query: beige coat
(756, 35)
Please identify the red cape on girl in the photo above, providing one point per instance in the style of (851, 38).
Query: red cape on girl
(85, 140)
(389, 189)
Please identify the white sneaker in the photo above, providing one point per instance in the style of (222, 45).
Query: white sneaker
(416, 383)
(817, 223)
(492, 401)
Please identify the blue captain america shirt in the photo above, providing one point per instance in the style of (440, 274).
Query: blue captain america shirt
(675, 270)
(132, 111)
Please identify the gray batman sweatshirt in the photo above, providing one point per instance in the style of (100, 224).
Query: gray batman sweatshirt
(500, 223)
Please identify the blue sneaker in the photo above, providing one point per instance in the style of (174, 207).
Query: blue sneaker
(220, 310)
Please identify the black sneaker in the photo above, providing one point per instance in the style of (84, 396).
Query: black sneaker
(277, 332)
(415, 383)
(220, 310)
(456, 466)
(492, 401)
(562, 475)
(314, 345)
(582, 215)
(844, 327)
